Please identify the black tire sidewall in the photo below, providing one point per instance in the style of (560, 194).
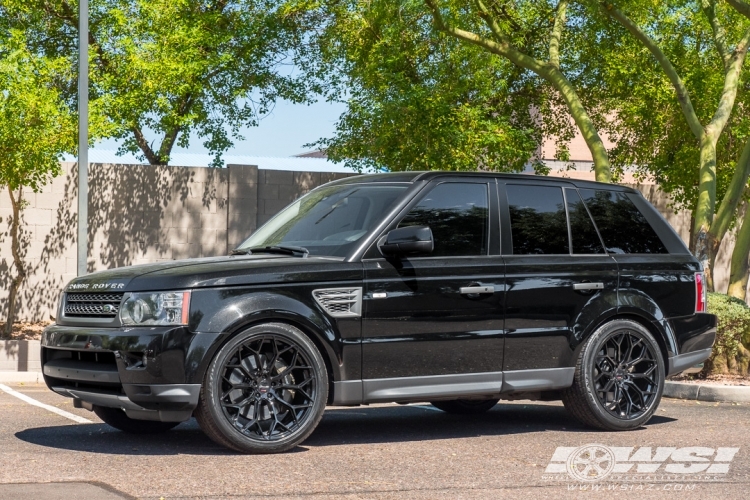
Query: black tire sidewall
(212, 386)
(589, 352)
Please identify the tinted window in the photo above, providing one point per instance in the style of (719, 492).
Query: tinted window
(457, 214)
(329, 220)
(582, 230)
(537, 220)
(623, 228)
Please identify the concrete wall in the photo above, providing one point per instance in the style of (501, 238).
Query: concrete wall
(140, 214)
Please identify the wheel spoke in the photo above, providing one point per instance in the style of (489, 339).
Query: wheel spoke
(269, 361)
(625, 374)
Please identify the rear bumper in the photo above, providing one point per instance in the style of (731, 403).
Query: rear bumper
(152, 373)
(695, 336)
(682, 362)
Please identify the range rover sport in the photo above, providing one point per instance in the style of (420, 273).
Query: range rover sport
(457, 289)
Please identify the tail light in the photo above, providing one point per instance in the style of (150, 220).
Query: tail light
(700, 293)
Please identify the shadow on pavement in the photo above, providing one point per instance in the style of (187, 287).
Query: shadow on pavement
(361, 425)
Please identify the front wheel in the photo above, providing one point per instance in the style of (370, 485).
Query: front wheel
(466, 406)
(619, 378)
(119, 420)
(264, 391)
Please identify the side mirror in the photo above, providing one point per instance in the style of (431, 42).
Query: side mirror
(407, 240)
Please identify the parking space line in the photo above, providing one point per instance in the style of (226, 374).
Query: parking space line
(53, 409)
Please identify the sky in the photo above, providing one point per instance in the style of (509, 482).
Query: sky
(281, 133)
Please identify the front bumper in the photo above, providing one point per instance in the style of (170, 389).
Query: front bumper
(152, 373)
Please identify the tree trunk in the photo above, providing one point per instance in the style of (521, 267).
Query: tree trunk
(706, 205)
(727, 209)
(738, 273)
(602, 168)
(15, 285)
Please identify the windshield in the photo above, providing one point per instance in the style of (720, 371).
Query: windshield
(329, 220)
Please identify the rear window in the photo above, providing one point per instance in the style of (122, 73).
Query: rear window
(537, 220)
(622, 226)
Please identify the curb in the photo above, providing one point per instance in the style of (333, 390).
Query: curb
(28, 377)
(706, 392)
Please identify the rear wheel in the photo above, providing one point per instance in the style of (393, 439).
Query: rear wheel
(466, 406)
(119, 420)
(619, 378)
(265, 391)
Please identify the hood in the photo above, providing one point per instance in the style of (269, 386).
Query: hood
(217, 271)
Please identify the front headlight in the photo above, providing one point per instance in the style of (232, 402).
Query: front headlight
(156, 308)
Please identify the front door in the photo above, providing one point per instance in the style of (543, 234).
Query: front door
(434, 323)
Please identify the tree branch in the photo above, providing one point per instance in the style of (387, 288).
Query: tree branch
(725, 213)
(731, 86)
(557, 28)
(683, 96)
(145, 147)
(501, 47)
(720, 34)
(740, 7)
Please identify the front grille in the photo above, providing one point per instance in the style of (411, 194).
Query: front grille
(340, 302)
(88, 305)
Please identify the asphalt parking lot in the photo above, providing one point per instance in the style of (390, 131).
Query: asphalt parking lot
(390, 451)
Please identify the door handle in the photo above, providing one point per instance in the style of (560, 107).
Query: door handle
(588, 286)
(476, 290)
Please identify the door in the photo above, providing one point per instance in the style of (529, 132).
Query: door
(437, 315)
(560, 279)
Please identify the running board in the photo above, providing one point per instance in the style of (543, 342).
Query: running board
(404, 389)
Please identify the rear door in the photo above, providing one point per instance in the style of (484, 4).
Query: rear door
(560, 279)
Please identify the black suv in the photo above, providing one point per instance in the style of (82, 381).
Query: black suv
(453, 288)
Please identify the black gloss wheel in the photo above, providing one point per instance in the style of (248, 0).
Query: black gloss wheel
(265, 391)
(268, 388)
(625, 374)
(619, 377)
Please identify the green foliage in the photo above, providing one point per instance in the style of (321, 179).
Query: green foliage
(733, 329)
(165, 68)
(420, 100)
(650, 131)
(36, 126)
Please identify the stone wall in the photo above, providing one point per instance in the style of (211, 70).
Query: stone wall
(139, 214)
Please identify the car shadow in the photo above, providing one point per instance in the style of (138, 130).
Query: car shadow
(339, 426)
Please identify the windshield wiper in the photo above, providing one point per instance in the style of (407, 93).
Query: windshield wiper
(283, 249)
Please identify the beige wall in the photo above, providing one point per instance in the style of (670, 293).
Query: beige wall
(140, 214)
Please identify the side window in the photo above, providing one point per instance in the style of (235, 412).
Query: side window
(537, 220)
(582, 230)
(623, 228)
(458, 215)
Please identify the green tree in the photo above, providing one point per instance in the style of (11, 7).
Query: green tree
(36, 128)
(716, 70)
(504, 29)
(739, 270)
(418, 100)
(161, 69)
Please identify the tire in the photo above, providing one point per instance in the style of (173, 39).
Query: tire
(119, 420)
(466, 406)
(265, 390)
(619, 378)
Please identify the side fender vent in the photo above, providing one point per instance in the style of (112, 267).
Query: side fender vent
(340, 302)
